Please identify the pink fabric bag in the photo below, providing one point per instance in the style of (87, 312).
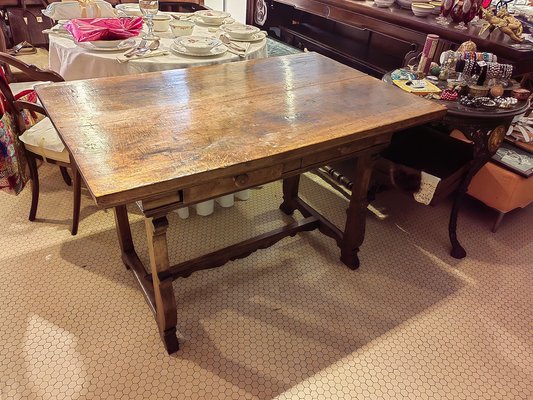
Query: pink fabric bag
(91, 29)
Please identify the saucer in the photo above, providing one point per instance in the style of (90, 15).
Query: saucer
(256, 37)
(216, 51)
(124, 45)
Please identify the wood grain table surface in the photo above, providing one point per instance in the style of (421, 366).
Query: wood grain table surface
(138, 136)
(172, 139)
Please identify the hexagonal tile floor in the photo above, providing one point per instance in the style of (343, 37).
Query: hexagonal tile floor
(288, 322)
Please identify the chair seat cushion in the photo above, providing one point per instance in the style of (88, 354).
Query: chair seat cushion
(42, 139)
(18, 87)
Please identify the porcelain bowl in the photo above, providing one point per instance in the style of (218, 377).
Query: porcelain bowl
(405, 3)
(212, 16)
(239, 31)
(131, 10)
(422, 9)
(198, 44)
(384, 3)
(181, 28)
(437, 5)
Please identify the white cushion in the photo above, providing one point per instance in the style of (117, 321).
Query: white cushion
(18, 87)
(42, 139)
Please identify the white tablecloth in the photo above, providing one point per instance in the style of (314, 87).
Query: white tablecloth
(73, 62)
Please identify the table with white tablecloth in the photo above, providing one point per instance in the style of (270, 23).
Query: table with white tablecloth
(74, 62)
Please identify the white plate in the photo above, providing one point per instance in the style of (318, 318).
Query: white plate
(217, 51)
(256, 37)
(124, 45)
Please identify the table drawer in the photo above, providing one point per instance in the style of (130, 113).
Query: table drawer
(232, 184)
(330, 155)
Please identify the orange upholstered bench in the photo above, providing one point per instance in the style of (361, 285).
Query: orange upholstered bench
(499, 188)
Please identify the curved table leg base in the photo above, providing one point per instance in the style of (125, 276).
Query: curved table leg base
(458, 251)
(290, 194)
(350, 260)
(170, 340)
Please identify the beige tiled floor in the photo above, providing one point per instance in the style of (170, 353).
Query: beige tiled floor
(288, 322)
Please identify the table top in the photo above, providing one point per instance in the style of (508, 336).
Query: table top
(73, 62)
(134, 137)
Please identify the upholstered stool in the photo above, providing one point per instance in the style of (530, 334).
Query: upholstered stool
(499, 188)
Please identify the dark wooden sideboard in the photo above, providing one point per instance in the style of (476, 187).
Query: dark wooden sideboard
(372, 39)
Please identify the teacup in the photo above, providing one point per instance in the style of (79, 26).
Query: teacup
(161, 22)
(181, 28)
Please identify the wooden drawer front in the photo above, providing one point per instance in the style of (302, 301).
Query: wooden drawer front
(232, 184)
(339, 152)
(152, 204)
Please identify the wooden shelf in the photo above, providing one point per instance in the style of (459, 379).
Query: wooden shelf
(350, 51)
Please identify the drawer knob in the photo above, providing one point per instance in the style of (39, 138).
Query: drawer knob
(241, 180)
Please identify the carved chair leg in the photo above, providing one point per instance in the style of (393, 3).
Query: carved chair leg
(165, 300)
(290, 193)
(76, 199)
(65, 175)
(34, 175)
(498, 221)
(354, 231)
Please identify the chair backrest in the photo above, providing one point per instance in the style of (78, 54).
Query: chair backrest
(181, 6)
(34, 73)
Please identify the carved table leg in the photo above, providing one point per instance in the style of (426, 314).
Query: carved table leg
(165, 301)
(354, 232)
(290, 194)
(486, 139)
(458, 251)
(123, 231)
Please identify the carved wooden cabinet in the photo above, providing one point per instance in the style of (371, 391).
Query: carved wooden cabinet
(371, 39)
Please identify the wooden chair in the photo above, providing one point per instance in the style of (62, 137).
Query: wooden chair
(39, 139)
(40, 59)
(181, 6)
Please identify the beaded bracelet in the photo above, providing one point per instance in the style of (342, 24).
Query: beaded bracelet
(469, 67)
(507, 71)
(492, 70)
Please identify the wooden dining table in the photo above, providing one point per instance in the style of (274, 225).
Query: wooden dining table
(169, 139)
